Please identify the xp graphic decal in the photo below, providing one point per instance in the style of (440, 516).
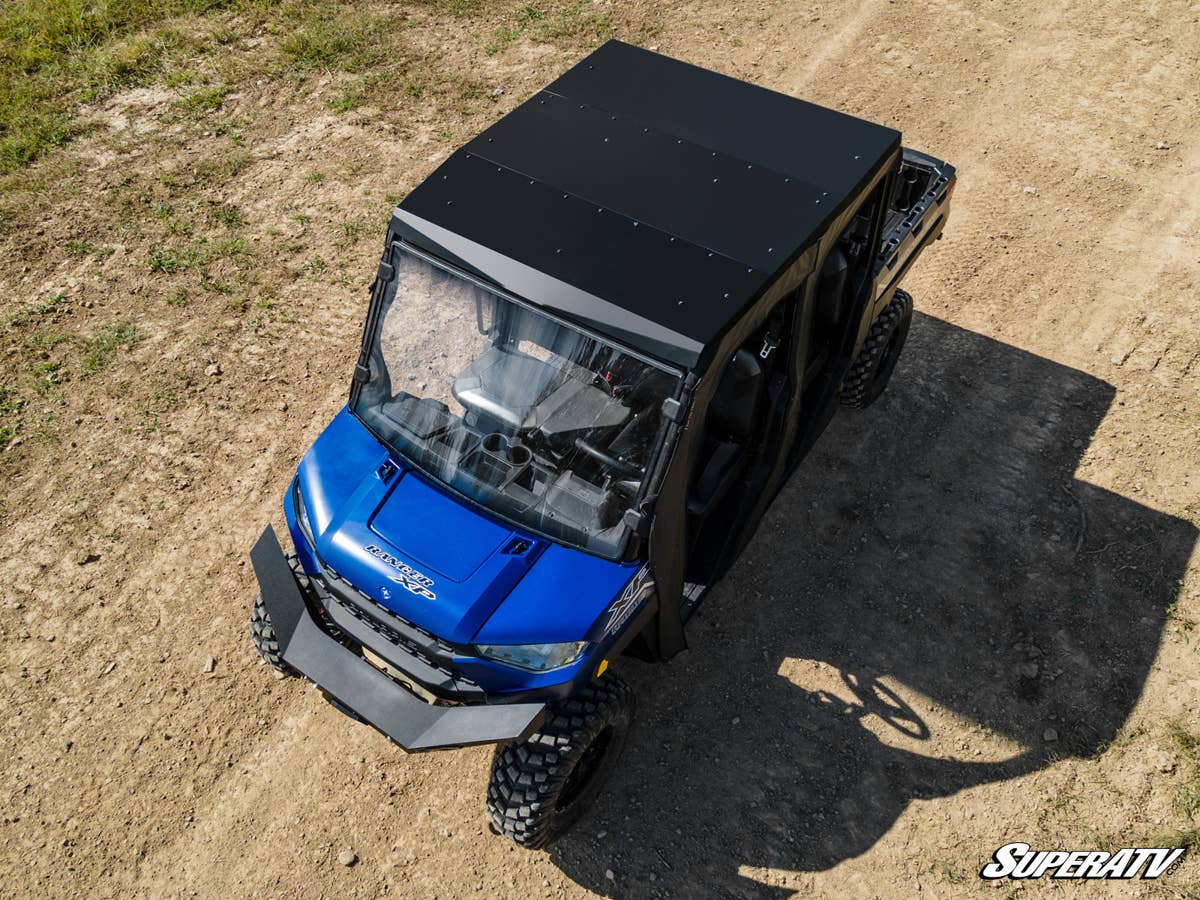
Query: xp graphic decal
(406, 576)
(639, 588)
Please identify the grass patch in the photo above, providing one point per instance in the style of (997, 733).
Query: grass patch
(335, 39)
(202, 101)
(1186, 742)
(537, 24)
(56, 54)
(11, 404)
(36, 310)
(100, 349)
(231, 216)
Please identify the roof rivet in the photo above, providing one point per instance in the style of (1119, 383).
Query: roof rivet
(559, 250)
(449, 202)
(787, 181)
(715, 180)
(817, 201)
(748, 168)
(710, 254)
(606, 140)
(565, 196)
(770, 249)
(635, 224)
(856, 156)
(531, 182)
(679, 303)
(749, 270)
(491, 140)
(727, 295)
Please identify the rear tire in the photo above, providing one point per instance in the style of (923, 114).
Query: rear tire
(262, 635)
(876, 361)
(541, 786)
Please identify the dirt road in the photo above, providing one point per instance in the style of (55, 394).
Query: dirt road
(969, 619)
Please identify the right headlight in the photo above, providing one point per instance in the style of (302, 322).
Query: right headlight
(534, 657)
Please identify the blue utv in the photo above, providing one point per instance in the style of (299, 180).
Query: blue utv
(602, 335)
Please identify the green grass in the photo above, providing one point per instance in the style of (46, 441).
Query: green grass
(231, 216)
(55, 54)
(100, 350)
(11, 404)
(336, 39)
(203, 100)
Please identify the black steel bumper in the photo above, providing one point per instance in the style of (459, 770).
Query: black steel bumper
(364, 690)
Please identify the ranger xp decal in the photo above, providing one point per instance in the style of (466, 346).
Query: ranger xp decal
(406, 576)
(639, 588)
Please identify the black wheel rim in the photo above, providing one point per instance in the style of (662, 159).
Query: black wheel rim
(889, 350)
(585, 770)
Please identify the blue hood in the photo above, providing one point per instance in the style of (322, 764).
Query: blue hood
(435, 561)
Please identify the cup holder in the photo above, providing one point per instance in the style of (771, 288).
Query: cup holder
(507, 450)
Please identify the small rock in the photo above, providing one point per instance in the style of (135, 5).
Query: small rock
(68, 744)
(213, 371)
(85, 558)
(347, 858)
(279, 676)
(498, 92)
(1049, 735)
(737, 720)
(653, 48)
(1161, 760)
(1028, 670)
(1162, 145)
(608, 874)
(601, 835)
(107, 669)
(209, 665)
(1030, 189)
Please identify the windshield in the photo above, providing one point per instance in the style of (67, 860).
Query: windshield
(540, 423)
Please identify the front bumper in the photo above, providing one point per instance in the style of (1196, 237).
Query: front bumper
(364, 690)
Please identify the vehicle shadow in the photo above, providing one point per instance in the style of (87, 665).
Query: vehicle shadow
(933, 602)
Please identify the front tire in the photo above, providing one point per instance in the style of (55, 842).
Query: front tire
(541, 786)
(872, 370)
(262, 635)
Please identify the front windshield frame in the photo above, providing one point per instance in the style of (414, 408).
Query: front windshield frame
(664, 436)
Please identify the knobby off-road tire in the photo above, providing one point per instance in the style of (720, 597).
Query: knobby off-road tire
(262, 635)
(541, 786)
(876, 361)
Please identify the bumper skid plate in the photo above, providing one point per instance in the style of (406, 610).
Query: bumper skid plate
(360, 687)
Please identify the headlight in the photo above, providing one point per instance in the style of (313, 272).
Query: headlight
(302, 514)
(534, 657)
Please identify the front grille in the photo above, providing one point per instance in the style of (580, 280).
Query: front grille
(414, 641)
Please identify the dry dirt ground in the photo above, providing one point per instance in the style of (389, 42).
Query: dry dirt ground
(969, 619)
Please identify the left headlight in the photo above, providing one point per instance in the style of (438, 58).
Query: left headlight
(534, 657)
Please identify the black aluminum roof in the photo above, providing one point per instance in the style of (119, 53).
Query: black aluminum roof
(647, 198)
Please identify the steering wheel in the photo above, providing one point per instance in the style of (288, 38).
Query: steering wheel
(607, 459)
